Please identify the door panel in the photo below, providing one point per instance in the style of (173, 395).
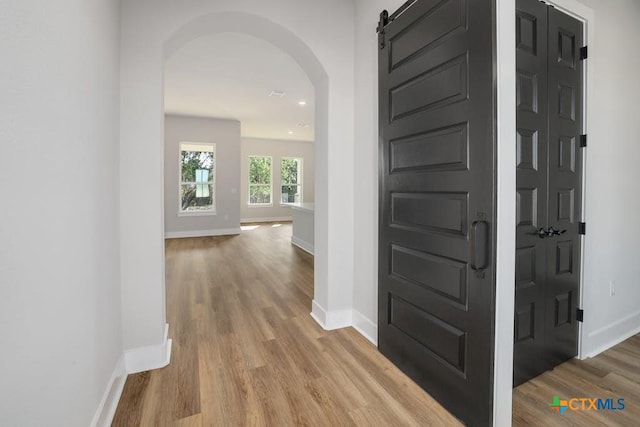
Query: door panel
(531, 186)
(565, 184)
(437, 201)
(549, 170)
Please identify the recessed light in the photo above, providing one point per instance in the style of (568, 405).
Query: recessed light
(302, 102)
(290, 132)
(278, 93)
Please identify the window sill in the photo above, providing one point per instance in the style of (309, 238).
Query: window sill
(197, 213)
(265, 205)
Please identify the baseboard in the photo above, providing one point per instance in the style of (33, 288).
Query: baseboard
(330, 320)
(266, 219)
(366, 327)
(109, 403)
(302, 244)
(201, 233)
(148, 358)
(604, 338)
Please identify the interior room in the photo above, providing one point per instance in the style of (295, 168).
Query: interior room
(421, 137)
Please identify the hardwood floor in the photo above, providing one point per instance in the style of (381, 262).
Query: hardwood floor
(247, 352)
(612, 374)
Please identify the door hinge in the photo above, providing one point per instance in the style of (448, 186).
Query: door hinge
(583, 53)
(582, 228)
(384, 20)
(580, 315)
(583, 140)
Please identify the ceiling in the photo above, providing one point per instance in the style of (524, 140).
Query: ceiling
(230, 76)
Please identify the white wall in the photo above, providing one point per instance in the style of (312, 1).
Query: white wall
(365, 197)
(59, 265)
(226, 135)
(277, 150)
(151, 29)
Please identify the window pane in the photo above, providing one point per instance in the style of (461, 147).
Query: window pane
(289, 171)
(196, 197)
(193, 161)
(291, 194)
(259, 194)
(259, 170)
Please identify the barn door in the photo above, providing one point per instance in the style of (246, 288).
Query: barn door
(549, 187)
(437, 200)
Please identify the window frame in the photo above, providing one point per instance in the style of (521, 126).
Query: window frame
(249, 184)
(300, 179)
(203, 212)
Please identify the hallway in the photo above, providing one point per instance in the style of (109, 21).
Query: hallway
(247, 352)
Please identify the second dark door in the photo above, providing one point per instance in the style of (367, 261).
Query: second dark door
(549, 187)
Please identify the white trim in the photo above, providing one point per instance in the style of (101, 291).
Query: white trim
(201, 233)
(109, 403)
(300, 179)
(266, 219)
(330, 320)
(148, 358)
(505, 212)
(302, 244)
(601, 339)
(260, 205)
(366, 327)
(210, 212)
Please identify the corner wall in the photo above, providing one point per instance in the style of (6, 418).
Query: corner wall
(226, 135)
(60, 319)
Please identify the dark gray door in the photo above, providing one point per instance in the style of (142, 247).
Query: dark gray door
(437, 180)
(549, 187)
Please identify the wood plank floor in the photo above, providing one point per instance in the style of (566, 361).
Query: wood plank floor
(612, 374)
(246, 352)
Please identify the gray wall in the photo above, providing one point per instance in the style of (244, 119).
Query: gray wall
(60, 317)
(226, 135)
(277, 150)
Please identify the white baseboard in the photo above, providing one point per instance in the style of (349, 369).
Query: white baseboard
(330, 320)
(302, 244)
(266, 219)
(148, 358)
(366, 327)
(109, 403)
(604, 338)
(201, 233)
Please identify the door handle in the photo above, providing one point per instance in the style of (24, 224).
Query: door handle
(479, 246)
(541, 233)
(553, 232)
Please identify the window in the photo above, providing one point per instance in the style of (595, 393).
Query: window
(291, 179)
(259, 180)
(197, 178)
